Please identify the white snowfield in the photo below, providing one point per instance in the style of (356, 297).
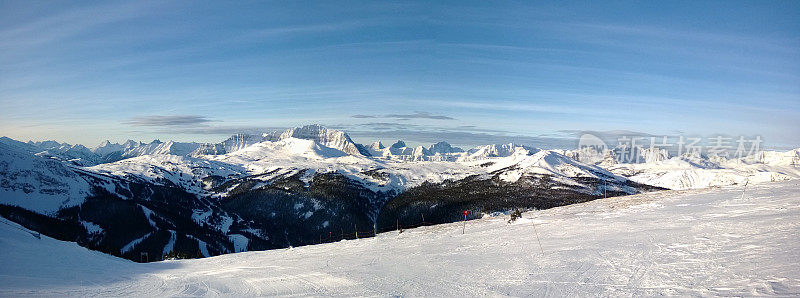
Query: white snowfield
(704, 242)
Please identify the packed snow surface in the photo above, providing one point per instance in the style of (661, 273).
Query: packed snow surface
(689, 242)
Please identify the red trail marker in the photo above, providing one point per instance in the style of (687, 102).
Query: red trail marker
(463, 229)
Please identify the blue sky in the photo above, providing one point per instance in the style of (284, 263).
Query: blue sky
(466, 72)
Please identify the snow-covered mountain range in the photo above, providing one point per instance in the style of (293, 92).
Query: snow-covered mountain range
(658, 167)
(289, 188)
(109, 152)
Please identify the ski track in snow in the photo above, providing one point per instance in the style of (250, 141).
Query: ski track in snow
(688, 242)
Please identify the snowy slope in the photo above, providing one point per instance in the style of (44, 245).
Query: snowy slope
(37, 183)
(74, 154)
(548, 162)
(654, 166)
(698, 172)
(158, 147)
(166, 169)
(28, 261)
(673, 243)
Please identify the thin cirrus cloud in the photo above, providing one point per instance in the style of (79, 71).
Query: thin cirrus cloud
(168, 120)
(718, 67)
(259, 34)
(689, 36)
(415, 115)
(63, 25)
(465, 139)
(225, 130)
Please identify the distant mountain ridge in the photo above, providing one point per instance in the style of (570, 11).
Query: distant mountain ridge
(110, 152)
(291, 187)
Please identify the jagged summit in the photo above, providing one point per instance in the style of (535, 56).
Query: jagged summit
(377, 145)
(443, 148)
(334, 139)
(399, 144)
(102, 144)
(106, 147)
(497, 150)
(130, 144)
(328, 137)
(45, 144)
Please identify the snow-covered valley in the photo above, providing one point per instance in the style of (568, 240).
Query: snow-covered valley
(715, 241)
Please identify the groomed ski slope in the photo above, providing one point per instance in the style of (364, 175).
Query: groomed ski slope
(691, 242)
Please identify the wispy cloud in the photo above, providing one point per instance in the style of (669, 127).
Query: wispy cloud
(302, 29)
(56, 27)
(510, 105)
(608, 133)
(459, 138)
(693, 36)
(172, 120)
(464, 135)
(226, 130)
(415, 115)
(385, 125)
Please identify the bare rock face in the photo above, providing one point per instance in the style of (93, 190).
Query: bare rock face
(377, 145)
(239, 141)
(443, 148)
(209, 149)
(327, 137)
